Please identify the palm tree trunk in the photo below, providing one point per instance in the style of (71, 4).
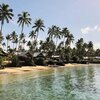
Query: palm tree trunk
(13, 46)
(36, 38)
(23, 46)
(16, 46)
(63, 52)
(19, 37)
(1, 26)
(22, 29)
(56, 46)
(19, 44)
(1, 34)
(56, 42)
(64, 42)
(7, 45)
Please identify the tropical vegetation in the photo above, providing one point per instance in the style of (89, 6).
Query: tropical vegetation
(58, 41)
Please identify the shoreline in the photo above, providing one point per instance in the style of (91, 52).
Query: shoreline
(25, 69)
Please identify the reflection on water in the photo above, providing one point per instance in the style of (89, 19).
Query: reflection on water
(77, 83)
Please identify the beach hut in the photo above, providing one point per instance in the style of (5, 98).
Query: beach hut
(39, 58)
(25, 58)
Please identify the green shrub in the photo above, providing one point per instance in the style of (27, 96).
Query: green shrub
(75, 59)
(67, 57)
(60, 63)
(15, 61)
(50, 62)
(1, 60)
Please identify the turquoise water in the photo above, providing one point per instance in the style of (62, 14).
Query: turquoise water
(77, 83)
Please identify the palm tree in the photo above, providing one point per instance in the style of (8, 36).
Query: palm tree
(97, 52)
(24, 19)
(23, 42)
(40, 45)
(64, 34)
(21, 37)
(79, 48)
(3, 44)
(54, 32)
(48, 46)
(13, 37)
(67, 49)
(85, 48)
(79, 43)
(57, 34)
(1, 38)
(60, 48)
(70, 38)
(16, 42)
(32, 35)
(51, 32)
(90, 49)
(29, 44)
(90, 45)
(8, 38)
(38, 25)
(5, 14)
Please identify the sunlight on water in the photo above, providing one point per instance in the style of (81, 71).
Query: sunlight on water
(77, 83)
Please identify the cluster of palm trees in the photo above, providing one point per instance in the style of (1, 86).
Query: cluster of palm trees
(58, 39)
(6, 14)
(84, 49)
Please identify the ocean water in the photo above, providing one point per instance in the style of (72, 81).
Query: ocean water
(76, 83)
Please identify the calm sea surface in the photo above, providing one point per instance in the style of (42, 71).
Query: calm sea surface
(77, 83)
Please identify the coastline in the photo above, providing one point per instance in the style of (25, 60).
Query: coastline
(25, 69)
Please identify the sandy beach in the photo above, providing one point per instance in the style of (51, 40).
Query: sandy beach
(25, 69)
(76, 65)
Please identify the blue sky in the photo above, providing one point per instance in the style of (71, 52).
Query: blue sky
(82, 17)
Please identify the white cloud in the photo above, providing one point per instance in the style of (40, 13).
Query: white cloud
(87, 30)
(97, 45)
